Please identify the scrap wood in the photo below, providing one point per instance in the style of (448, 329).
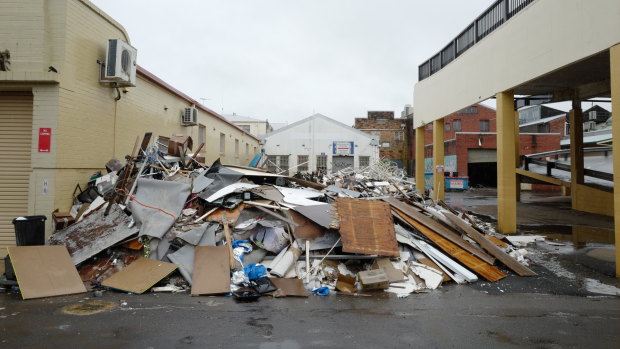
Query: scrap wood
(290, 287)
(367, 227)
(439, 229)
(484, 269)
(496, 241)
(140, 275)
(222, 213)
(229, 243)
(44, 271)
(94, 233)
(490, 247)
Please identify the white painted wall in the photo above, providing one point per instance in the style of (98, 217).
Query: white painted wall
(315, 135)
(547, 35)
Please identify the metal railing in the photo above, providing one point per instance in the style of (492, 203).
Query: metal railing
(496, 15)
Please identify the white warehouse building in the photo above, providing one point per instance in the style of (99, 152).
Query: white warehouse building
(318, 143)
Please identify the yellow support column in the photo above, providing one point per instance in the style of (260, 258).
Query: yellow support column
(517, 154)
(438, 159)
(615, 105)
(506, 174)
(419, 159)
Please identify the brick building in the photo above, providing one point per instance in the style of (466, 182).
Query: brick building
(393, 133)
(470, 144)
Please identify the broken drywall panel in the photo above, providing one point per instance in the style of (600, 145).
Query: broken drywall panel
(44, 271)
(157, 204)
(140, 275)
(373, 279)
(94, 233)
(305, 228)
(367, 227)
(323, 215)
(211, 274)
(393, 274)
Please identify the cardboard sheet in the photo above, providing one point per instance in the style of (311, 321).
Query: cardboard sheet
(211, 274)
(140, 275)
(44, 271)
(393, 274)
(367, 227)
(290, 287)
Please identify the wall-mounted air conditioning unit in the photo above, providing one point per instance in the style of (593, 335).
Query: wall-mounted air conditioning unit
(120, 63)
(189, 116)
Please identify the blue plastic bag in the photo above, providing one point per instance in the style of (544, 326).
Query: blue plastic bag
(321, 291)
(255, 271)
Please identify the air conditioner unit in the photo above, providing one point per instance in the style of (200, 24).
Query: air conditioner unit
(189, 116)
(120, 64)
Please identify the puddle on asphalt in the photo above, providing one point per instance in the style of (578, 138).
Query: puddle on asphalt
(87, 308)
(579, 236)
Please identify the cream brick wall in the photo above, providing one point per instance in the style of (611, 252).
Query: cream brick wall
(88, 125)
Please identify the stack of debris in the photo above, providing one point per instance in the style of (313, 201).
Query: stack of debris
(163, 219)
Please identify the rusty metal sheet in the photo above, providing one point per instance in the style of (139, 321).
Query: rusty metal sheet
(367, 227)
(94, 233)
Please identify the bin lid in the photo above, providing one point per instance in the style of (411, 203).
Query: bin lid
(29, 218)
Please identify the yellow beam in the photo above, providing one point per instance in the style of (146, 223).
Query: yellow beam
(419, 159)
(506, 171)
(614, 54)
(542, 178)
(438, 159)
(517, 154)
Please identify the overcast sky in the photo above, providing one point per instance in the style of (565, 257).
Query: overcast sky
(285, 60)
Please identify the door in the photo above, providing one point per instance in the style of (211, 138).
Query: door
(341, 162)
(15, 168)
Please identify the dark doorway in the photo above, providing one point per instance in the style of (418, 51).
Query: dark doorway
(482, 174)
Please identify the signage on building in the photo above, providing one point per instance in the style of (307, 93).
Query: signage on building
(45, 140)
(449, 164)
(343, 148)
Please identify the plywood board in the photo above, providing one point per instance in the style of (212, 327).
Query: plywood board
(474, 263)
(367, 227)
(290, 287)
(45, 271)
(140, 275)
(211, 273)
(439, 229)
(510, 262)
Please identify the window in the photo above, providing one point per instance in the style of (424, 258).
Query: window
(399, 135)
(321, 163)
(457, 124)
(469, 110)
(247, 149)
(284, 164)
(447, 126)
(592, 115)
(381, 121)
(222, 143)
(255, 152)
(246, 128)
(272, 163)
(484, 125)
(543, 128)
(385, 145)
(302, 163)
(364, 161)
(202, 131)
(236, 147)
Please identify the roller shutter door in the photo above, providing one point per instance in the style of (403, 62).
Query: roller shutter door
(15, 167)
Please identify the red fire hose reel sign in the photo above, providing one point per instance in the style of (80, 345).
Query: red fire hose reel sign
(45, 140)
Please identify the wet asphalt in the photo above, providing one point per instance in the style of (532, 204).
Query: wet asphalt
(456, 316)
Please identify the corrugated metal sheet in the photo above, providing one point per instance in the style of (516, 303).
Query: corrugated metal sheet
(15, 168)
(367, 227)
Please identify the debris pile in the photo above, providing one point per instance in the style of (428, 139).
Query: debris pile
(163, 219)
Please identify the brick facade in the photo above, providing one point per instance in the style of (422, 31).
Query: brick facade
(394, 134)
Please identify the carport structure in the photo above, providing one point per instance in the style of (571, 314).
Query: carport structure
(566, 50)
